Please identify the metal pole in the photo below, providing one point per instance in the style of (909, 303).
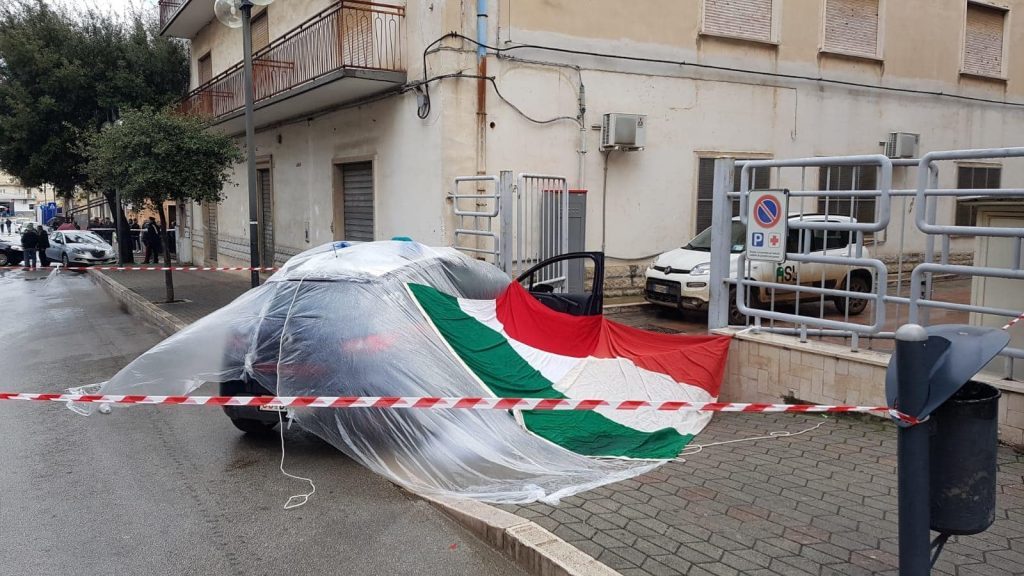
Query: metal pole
(120, 229)
(250, 144)
(912, 452)
(721, 243)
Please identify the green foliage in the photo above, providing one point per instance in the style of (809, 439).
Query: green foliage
(62, 76)
(155, 156)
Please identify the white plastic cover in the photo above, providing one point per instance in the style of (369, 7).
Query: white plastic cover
(337, 321)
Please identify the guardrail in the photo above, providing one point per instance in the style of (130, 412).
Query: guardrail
(757, 298)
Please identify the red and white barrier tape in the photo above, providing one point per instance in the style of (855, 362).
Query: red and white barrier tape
(1012, 322)
(436, 403)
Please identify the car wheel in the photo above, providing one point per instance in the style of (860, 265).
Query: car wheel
(64, 260)
(854, 306)
(736, 318)
(4, 260)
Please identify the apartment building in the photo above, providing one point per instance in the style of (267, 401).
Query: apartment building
(15, 199)
(366, 112)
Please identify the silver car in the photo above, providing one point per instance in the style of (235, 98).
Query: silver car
(79, 248)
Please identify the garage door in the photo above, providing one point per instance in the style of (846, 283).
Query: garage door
(357, 199)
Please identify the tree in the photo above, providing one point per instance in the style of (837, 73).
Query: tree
(154, 157)
(62, 76)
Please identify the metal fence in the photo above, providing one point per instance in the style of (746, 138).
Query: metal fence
(514, 222)
(839, 220)
(349, 34)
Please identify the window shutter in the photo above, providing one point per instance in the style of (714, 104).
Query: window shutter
(739, 18)
(260, 32)
(851, 27)
(983, 42)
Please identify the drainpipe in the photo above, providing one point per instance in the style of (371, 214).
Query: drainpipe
(481, 87)
(582, 101)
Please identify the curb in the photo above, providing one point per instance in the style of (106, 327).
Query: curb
(136, 305)
(533, 548)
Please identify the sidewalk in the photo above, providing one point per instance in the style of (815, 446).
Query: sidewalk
(819, 503)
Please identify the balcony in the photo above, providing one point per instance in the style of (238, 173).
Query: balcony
(184, 18)
(348, 51)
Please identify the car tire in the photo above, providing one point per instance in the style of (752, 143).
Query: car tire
(735, 317)
(4, 260)
(854, 306)
(64, 260)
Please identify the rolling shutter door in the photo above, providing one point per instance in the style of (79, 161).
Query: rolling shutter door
(851, 27)
(740, 18)
(983, 41)
(266, 197)
(357, 186)
(260, 32)
(210, 232)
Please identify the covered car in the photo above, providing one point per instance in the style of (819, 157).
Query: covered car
(403, 319)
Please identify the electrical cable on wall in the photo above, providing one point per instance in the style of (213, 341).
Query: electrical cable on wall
(718, 68)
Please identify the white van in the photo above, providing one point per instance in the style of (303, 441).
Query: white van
(679, 278)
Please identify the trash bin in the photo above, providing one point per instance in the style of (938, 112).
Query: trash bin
(964, 439)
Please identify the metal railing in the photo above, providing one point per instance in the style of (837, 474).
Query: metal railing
(168, 8)
(349, 34)
(736, 286)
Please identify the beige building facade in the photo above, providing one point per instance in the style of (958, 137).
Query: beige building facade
(350, 146)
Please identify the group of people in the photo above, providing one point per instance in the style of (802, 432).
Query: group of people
(35, 240)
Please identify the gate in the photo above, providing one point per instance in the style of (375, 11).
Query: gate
(514, 222)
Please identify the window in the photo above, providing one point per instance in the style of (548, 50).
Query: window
(260, 31)
(706, 190)
(837, 178)
(983, 40)
(747, 19)
(851, 27)
(976, 177)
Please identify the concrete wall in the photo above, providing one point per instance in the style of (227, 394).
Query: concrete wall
(773, 368)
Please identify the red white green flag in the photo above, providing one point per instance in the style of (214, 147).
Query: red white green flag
(517, 347)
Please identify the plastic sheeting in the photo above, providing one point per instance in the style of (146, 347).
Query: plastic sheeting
(337, 321)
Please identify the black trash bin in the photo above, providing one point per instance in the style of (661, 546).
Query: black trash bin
(963, 460)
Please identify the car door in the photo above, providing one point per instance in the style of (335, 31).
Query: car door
(543, 280)
(805, 273)
(56, 248)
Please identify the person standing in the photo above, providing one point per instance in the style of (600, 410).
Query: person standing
(29, 244)
(42, 244)
(68, 225)
(8, 222)
(134, 230)
(151, 240)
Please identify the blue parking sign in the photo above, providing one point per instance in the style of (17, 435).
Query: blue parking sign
(757, 240)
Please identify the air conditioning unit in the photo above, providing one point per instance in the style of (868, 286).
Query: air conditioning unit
(902, 145)
(624, 132)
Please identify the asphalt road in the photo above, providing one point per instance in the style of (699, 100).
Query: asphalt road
(159, 490)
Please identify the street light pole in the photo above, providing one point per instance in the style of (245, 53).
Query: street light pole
(250, 137)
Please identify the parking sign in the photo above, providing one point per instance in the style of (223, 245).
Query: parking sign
(767, 220)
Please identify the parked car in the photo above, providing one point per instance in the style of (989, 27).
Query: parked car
(679, 278)
(259, 421)
(79, 248)
(10, 253)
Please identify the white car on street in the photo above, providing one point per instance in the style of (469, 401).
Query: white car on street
(79, 248)
(680, 278)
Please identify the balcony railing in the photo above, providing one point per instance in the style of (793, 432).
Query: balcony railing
(349, 34)
(167, 10)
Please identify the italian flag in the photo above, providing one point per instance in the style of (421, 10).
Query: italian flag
(516, 347)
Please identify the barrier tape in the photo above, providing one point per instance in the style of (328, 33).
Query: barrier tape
(1012, 322)
(445, 403)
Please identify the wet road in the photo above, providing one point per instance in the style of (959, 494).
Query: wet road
(151, 490)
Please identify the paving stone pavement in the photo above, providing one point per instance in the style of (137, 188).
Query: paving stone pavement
(821, 503)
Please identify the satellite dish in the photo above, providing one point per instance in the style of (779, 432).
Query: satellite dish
(229, 12)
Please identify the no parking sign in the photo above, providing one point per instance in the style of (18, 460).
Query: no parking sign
(767, 221)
